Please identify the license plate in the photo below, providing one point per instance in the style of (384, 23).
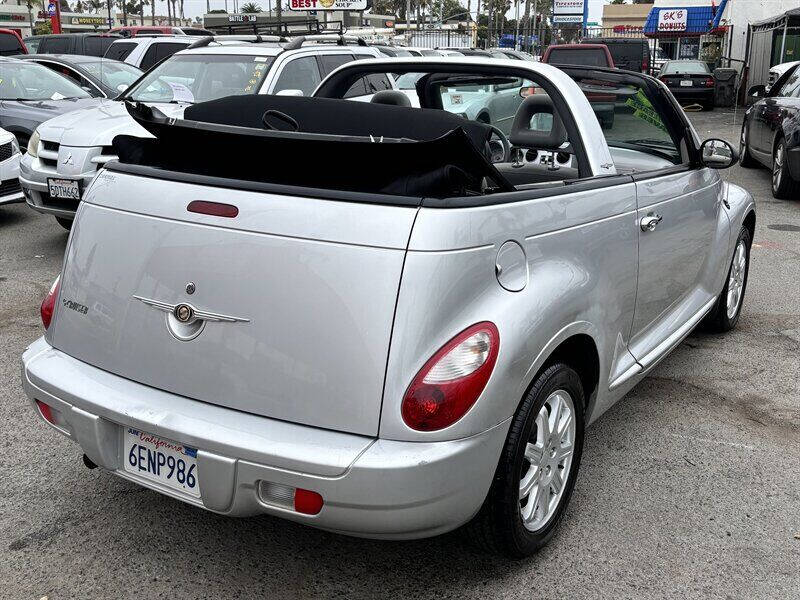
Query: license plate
(64, 188)
(169, 463)
(686, 83)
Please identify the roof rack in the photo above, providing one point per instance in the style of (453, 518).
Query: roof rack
(252, 39)
(339, 39)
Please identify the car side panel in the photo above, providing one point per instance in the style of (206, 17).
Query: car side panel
(581, 260)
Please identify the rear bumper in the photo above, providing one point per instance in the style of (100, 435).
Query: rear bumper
(693, 94)
(371, 487)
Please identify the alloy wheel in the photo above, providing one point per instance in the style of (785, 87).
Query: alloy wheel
(736, 279)
(548, 460)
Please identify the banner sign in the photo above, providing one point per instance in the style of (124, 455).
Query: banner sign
(567, 19)
(672, 19)
(88, 20)
(249, 18)
(328, 4)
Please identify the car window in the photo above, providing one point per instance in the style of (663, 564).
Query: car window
(329, 62)
(116, 75)
(32, 44)
(166, 49)
(55, 45)
(9, 45)
(200, 78)
(493, 102)
(150, 58)
(593, 57)
(95, 45)
(626, 54)
(377, 82)
(299, 74)
(29, 81)
(685, 66)
(119, 50)
(791, 89)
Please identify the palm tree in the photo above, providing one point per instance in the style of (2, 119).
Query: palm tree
(250, 7)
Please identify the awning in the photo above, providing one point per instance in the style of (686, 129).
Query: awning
(681, 21)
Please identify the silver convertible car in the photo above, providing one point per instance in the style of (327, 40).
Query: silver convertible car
(382, 320)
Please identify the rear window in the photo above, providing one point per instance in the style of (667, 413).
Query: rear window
(685, 66)
(119, 50)
(625, 51)
(9, 45)
(55, 45)
(95, 45)
(591, 57)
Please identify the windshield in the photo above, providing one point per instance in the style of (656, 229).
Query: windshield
(686, 66)
(29, 81)
(113, 74)
(201, 77)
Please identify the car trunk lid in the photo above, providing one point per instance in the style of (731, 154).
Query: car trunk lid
(295, 296)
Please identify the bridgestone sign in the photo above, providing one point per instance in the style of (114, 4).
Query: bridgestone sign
(568, 11)
(672, 19)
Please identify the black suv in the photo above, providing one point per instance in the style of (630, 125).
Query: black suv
(87, 44)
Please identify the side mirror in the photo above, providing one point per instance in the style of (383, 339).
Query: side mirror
(718, 154)
(524, 92)
(757, 91)
(122, 87)
(290, 93)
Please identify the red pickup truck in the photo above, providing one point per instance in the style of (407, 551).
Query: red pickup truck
(11, 43)
(588, 55)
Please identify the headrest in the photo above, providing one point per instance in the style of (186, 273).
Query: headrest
(521, 133)
(393, 97)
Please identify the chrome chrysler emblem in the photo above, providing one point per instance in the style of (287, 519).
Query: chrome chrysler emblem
(184, 321)
(68, 160)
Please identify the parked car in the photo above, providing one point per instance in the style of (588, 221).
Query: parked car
(136, 30)
(101, 77)
(771, 133)
(690, 81)
(424, 51)
(513, 54)
(31, 94)
(194, 75)
(659, 58)
(631, 54)
(146, 51)
(385, 352)
(777, 71)
(88, 44)
(10, 191)
(591, 55)
(11, 43)
(394, 51)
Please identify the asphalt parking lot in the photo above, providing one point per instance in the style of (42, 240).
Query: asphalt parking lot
(689, 487)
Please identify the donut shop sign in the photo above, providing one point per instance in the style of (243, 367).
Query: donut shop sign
(672, 19)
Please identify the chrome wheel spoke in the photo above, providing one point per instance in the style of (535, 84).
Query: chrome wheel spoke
(557, 483)
(528, 482)
(534, 453)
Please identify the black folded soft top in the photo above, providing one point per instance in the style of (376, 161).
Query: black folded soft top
(319, 143)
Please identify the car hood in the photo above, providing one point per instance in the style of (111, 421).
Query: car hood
(97, 126)
(42, 110)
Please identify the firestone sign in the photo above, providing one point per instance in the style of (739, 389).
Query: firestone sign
(672, 19)
(569, 11)
(328, 4)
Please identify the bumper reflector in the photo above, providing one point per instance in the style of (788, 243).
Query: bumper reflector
(289, 498)
(46, 412)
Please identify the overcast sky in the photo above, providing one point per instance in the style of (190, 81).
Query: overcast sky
(194, 8)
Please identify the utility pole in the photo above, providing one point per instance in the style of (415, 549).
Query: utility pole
(489, 25)
(110, 18)
(408, 21)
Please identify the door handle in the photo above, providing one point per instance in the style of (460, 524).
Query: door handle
(649, 222)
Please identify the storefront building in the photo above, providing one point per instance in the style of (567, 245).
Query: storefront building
(689, 32)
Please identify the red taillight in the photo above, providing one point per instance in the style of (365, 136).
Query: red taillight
(49, 303)
(215, 209)
(307, 502)
(451, 381)
(45, 410)
(709, 82)
(645, 65)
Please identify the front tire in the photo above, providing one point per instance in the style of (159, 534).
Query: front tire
(783, 186)
(745, 158)
(725, 314)
(537, 469)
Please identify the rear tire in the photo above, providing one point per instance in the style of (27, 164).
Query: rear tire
(548, 422)
(783, 186)
(65, 223)
(745, 158)
(725, 314)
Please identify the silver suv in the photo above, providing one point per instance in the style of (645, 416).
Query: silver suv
(71, 149)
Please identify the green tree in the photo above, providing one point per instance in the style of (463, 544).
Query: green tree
(250, 8)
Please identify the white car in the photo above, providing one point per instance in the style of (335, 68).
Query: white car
(146, 51)
(10, 190)
(66, 152)
(778, 70)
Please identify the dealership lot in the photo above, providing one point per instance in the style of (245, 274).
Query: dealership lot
(689, 487)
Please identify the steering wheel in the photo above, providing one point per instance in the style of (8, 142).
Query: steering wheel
(498, 155)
